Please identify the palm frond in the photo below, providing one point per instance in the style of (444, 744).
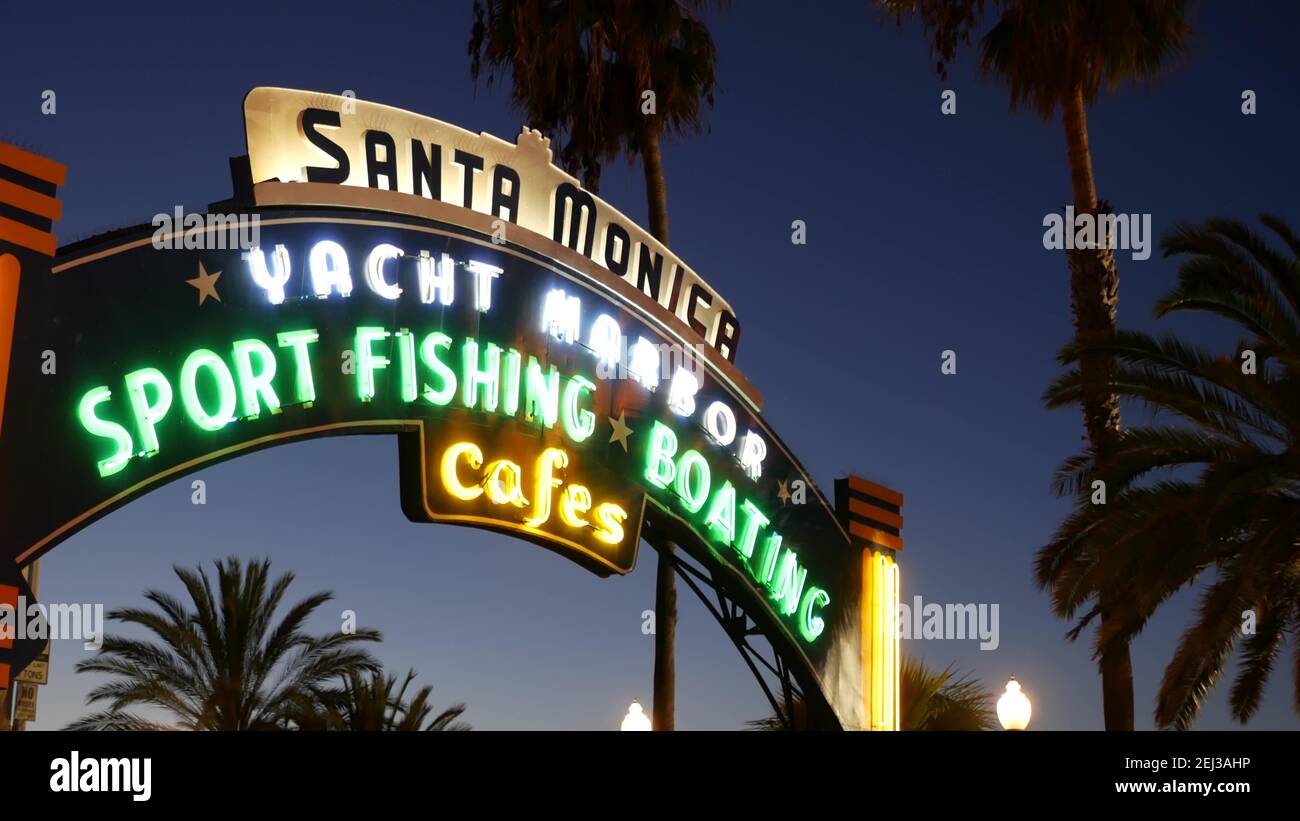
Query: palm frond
(1213, 497)
(220, 661)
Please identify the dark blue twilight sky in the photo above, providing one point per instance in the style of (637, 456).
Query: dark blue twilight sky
(924, 234)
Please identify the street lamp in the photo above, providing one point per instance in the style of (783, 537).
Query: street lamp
(1013, 707)
(636, 719)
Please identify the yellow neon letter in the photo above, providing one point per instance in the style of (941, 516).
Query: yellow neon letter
(450, 480)
(505, 483)
(575, 501)
(610, 516)
(550, 459)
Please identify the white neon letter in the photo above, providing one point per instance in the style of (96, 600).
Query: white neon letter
(483, 276)
(681, 392)
(752, 451)
(720, 423)
(375, 270)
(328, 263)
(645, 363)
(561, 315)
(605, 340)
(437, 279)
(273, 284)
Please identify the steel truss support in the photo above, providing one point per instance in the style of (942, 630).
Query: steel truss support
(784, 691)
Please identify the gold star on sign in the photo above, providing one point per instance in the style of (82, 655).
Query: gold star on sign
(621, 430)
(206, 283)
(782, 492)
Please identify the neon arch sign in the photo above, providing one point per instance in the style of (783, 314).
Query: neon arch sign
(526, 384)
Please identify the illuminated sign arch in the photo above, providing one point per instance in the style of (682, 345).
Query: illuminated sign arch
(533, 391)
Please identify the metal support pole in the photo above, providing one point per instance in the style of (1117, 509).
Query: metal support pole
(665, 675)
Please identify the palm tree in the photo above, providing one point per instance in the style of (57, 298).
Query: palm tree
(944, 700)
(372, 702)
(579, 70)
(930, 701)
(1057, 56)
(1214, 497)
(221, 661)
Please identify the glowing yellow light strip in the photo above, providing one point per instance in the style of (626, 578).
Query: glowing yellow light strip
(877, 655)
(864, 657)
(880, 635)
(896, 643)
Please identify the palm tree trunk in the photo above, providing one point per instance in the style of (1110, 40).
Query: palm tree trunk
(665, 682)
(1094, 297)
(656, 188)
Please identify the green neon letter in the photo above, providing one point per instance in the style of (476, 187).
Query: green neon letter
(721, 517)
(225, 414)
(542, 393)
(772, 548)
(514, 363)
(108, 430)
(787, 587)
(256, 385)
(367, 361)
(659, 467)
(578, 424)
(299, 340)
(443, 375)
(406, 364)
(754, 522)
(487, 377)
(692, 493)
(811, 626)
(147, 413)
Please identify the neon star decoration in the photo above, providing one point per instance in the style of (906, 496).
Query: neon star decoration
(621, 430)
(206, 284)
(783, 492)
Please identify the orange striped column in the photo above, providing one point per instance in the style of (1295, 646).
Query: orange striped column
(28, 209)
